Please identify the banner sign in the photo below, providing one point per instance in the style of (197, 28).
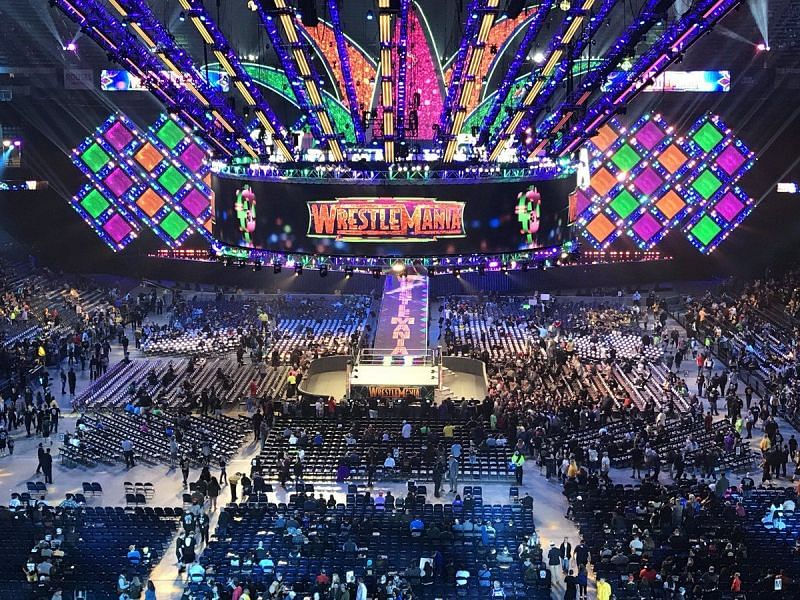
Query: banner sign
(681, 81)
(400, 219)
(119, 80)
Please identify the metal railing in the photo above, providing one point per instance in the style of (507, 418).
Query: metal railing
(422, 357)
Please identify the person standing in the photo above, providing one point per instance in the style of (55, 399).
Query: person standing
(47, 466)
(452, 473)
(518, 460)
(127, 452)
(438, 476)
(223, 473)
(233, 481)
(603, 589)
(72, 381)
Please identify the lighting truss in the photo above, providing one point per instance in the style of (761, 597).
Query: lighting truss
(578, 98)
(565, 67)
(386, 39)
(679, 36)
(123, 47)
(402, 69)
(159, 41)
(575, 17)
(281, 27)
(533, 27)
(228, 60)
(347, 75)
(482, 13)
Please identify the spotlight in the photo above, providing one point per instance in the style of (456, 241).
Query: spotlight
(323, 271)
(6, 143)
(431, 271)
(565, 5)
(538, 58)
(399, 267)
(457, 272)
(524, 266)
(627, 64)
(71, 47)
(482, 269)
(257, 266)
(298, 270)
(17, 143)
(348, 272)
(276, 268)
(370, 15)
(504, 269)
(376, 273)
(762, 47)
(182, 17)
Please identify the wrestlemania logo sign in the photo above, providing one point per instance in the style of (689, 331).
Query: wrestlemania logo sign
(375, 219)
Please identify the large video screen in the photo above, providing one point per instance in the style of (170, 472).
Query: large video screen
(394, 218)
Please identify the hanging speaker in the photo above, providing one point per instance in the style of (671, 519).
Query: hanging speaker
(514, 8)
(308, 12)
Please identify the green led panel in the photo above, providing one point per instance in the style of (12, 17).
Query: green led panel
(707, 137)
(174, 225)
(706, 184)
(624, 204)
(95, 204)
(170, 134)
(705, 230)
(625, 158)
(95, 158)
(172, 180)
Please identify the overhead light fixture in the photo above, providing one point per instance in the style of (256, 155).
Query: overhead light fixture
(370, 15)
(348, 272)
(627, 64)
(182, 17)
(565, 5)
(399, 267)
(298, 270)
(538, 58)
(762, 47)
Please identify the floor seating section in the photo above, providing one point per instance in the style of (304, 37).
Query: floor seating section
(766, 547)
(321, 462)
(384, 545)
(100, 554)
(113, 389)
(103, 444)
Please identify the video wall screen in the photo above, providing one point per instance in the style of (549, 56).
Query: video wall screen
(393, 219)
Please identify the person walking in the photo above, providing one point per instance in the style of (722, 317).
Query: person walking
(565, 554)
(452, 473)
(213, 490)
(40, 456)
(184, 464)
(553, 562)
